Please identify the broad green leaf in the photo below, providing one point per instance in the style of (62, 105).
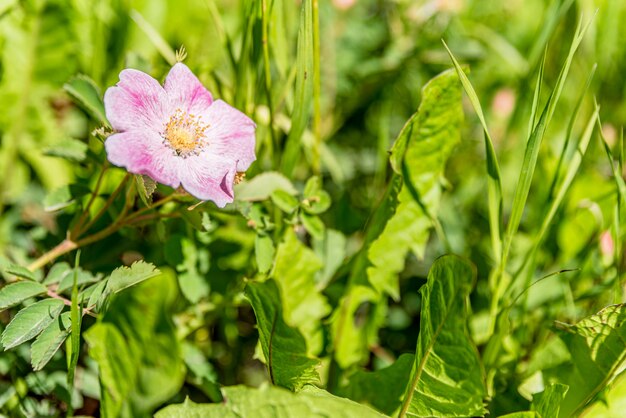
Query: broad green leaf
(57, 273)
(137, 350)
(85, 92)
(332, 251)
(548, 403)
(262, 186)
(313, 225)
(124, 277)
(271, 402)
(14, 293)
(523, 414)
(83, 277)
(596, 345)
(19, 271)
(70, 149)
(447, 378)
(383, 389)
(612, 404)
(204, 375)
(30, 321)
(284, 347)
(264, 252)
(303, 89)
(64, 196)
(419, 155)
(49, 341)
(303, 305)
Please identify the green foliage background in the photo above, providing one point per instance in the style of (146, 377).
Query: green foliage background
(325, 277)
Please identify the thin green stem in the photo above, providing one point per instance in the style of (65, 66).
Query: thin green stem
(106, 206)
(94, 194)
(317, 89)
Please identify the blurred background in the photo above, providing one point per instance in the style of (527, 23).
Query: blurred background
(376, 55)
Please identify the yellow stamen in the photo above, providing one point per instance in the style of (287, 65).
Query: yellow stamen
(184, 133)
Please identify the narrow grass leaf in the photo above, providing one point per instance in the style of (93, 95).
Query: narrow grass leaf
(494, 180)
(155, 37)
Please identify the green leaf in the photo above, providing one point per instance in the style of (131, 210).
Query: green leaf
(271, 402)
(83, 277)
(262, 186)
(145, 187)
(285, 201)
(85, 92)
(303, 305)
(15, 293)
(596, 345)
(57, 273)
(49, 341)
(612, 403)
(73, 150)
(124, 277)
(30, 321)
(420, 154)
(64, 196)
(316, 200)
(522, 414)
(447, 379)
(204, 375)
(137, 350)
(19, 271)
(494, 179)
(284, 347)
(264, 252)
(548, 402)
(332, 251)
(313, 225)
(383, 389)
(95, 294)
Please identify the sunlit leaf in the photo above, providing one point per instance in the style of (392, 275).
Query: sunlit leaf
(284, 348)
(30, 321)
(271, 402)
(49, 341)
(447, 377)
(14, 293)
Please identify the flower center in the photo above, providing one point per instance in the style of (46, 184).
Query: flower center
(184, 134)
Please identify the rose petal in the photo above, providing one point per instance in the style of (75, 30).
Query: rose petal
(184, 90)
(208, 177)
(137, 101)
(142, 152)
(230, 134)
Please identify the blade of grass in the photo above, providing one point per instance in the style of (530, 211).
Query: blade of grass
(533, 145)
(570, 128)
(494, 180)
(303, 89)
(317, 86)
(155, 37)
(532, 121)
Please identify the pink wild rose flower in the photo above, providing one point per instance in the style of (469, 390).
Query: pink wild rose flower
(177, 134)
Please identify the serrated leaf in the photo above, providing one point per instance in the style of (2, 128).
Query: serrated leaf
(124, 277)
(30, 321)
(96, 293)
(85, 92)
(264, 252)
(83, 277)
(49, 341)
(57, 272)
(548, 403)
(596, 345)
(447, 379)
(271, 402)
(383, 389)
(19, 271)
(419, 157)
(262, 186)
(70, 149)
(284, 347)
(303, 305)
(145, 187)
(64, 196)
(15, 293)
